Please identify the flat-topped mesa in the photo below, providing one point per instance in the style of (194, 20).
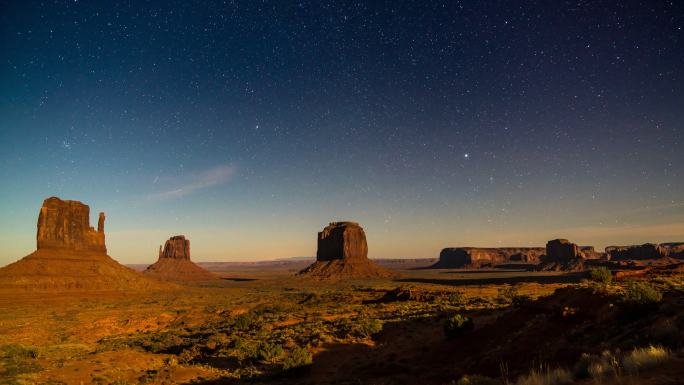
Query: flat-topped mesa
(65, 225)
(461, 257)
(562, 250)
(176, 247)
(342, 240)
(637, 252)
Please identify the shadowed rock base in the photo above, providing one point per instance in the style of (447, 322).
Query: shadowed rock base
(342, 254)
(341, 269)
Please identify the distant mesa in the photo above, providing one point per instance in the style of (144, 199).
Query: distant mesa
(70, 255)
(479, 257)
(343, 253)
(563, 255)
(174, 263)
(637, 252)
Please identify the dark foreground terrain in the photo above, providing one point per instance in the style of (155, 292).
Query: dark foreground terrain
(426, 327)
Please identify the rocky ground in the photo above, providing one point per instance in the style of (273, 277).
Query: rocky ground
(274, 329)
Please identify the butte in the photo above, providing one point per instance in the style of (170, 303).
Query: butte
(174, 263)
(343, 253)
(71, 255)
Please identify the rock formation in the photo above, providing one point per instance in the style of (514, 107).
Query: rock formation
(343, 253)
(562, 255)
(637, 252)
(66, 225)
(174, 263)
(70, 255)
(476, 257)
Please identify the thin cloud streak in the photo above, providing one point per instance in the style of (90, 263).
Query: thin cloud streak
(213, 177)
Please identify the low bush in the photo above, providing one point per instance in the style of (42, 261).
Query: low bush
(601, 275)
(298, 357)
(477, 380)
(644, 358)
(556, 376)
(641, 295)
(269, 353)
(456, 325)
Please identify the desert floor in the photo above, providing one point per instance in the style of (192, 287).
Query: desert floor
(269, 327)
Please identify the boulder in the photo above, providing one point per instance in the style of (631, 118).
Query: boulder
(65, 224)
(343, 253)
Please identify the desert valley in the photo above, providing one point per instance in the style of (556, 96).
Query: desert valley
(315, 192)
(559, 314)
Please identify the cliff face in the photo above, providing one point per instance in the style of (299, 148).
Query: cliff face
(342, 254)
(342, 240)
(65, 224)
(461, 257)
(176, 247)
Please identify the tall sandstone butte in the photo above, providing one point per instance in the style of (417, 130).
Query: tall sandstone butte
(342, 240)
(343, 253)
(174, 263)
(70, 255)
(65, 224)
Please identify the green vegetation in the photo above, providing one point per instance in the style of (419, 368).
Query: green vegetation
(18, 359)
(641, 295)
(298, 357)
(601, 275)
(456, 325)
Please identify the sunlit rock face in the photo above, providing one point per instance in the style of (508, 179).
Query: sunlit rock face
(562, 250)
(65, 224)
(176, 247)
(342, 240)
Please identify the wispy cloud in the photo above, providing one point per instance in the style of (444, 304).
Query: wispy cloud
(194, 183)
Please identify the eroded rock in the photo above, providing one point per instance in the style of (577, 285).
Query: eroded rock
(65, 224)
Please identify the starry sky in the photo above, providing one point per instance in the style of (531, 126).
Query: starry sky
(249, 125)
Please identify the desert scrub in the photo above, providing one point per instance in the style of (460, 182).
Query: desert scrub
(18, 359)
(456, 325)
(644, 358)
(269, 353)
(641, 296)
(247, 322)
(546, 376)
(477, 380)
(457, 299)
(601, 275)
(597, 367)
(298, 357)
(362, 327)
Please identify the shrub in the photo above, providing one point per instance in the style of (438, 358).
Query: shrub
(298, 357)
(641, 294)
(556, 376)
(506, 295)
(601, 274)
(597, 367)
(247, 322)
(270, 353)
(521, 299)
(366, 327)
(644, 358)
(477, 380)
(457, 325)
(457, 299)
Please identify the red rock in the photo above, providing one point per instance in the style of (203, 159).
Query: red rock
(66, 225)
(474, 257)
(343, 253)
(174, 263)
(342, 240)
(637, 252)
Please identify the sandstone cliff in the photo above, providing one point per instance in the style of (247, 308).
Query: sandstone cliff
(343, 253)
(174, 263)
(476, 257)
(70, 255)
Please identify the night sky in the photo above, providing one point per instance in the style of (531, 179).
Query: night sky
(249, 125)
